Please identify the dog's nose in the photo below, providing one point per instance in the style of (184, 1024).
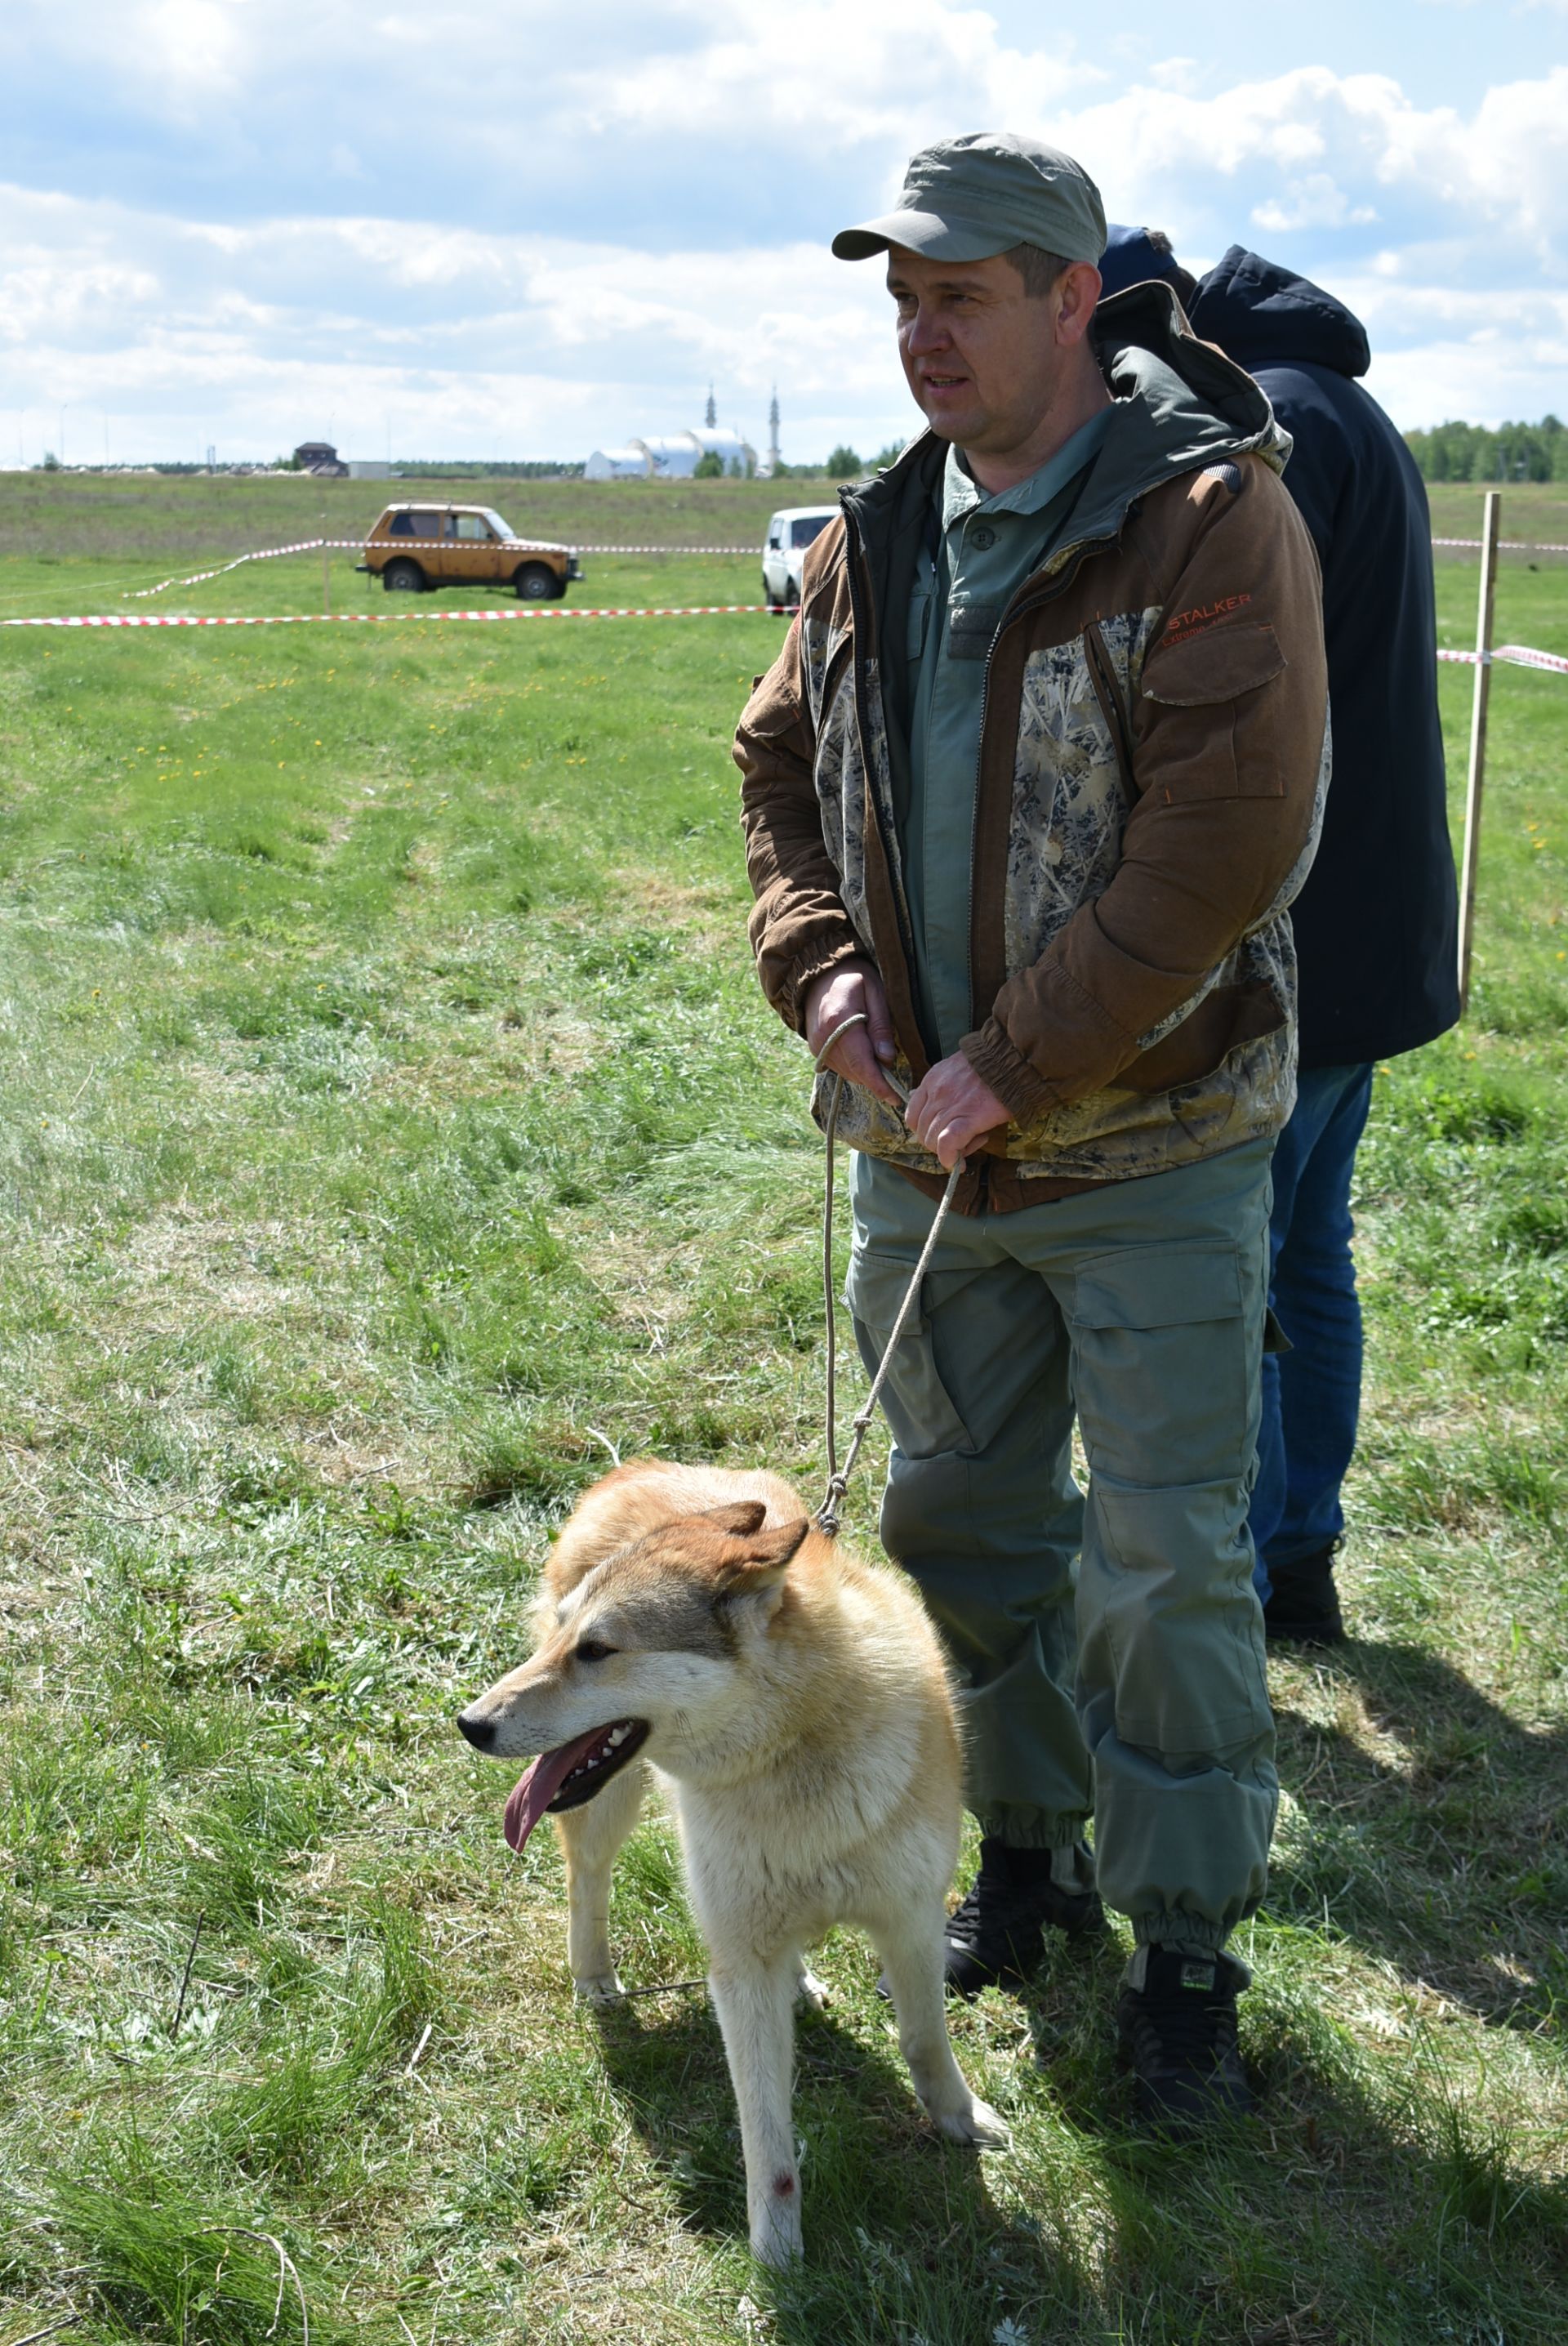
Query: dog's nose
(481, 1732)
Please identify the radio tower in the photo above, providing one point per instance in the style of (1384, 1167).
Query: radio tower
(774, 458)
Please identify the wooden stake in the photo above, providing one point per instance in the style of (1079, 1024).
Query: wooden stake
(1477, 778)
(326, 580)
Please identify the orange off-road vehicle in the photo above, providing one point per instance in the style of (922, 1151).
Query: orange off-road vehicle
(416, 547)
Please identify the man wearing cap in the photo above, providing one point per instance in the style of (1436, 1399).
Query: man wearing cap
(1030, 787)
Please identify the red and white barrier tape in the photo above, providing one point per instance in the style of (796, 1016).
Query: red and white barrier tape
(361, 545)
(544, 545)
(749, 553)
(340, 546)
(384, 618)
(1516, 655)
(1506, 544)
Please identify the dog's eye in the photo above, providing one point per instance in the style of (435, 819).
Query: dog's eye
(594, 1650)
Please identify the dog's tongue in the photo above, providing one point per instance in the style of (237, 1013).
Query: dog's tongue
(534, 1790)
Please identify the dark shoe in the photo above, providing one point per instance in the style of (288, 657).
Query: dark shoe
(997, 1936)
(1303, 1608)
(1178, 2035)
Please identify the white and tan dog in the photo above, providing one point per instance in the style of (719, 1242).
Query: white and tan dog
(793, 1704)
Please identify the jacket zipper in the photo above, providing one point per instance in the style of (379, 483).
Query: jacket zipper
(1103, 673)
(854, 556)
(1015, 611)
(852, 560)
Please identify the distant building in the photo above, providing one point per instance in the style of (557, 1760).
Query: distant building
(320, 456)
(372, 468)
(672, 457)
(767, 470)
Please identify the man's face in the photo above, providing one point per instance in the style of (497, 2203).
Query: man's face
(985, 360)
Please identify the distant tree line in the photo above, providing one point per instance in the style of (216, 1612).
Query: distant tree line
(1479, 451)
(484, 468)
(843, 463)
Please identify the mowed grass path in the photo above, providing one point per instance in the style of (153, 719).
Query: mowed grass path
(391, 1125)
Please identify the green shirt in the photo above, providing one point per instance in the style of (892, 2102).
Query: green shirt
(988, 546)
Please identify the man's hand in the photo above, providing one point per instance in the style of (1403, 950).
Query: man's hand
(861, 1053)
(949, 1110)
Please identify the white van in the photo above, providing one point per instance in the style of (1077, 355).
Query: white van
(789, 533)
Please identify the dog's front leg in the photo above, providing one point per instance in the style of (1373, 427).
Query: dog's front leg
(756, 2008)
(910, 1949)
(591, 1838)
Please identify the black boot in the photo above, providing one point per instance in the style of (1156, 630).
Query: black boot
(1303, 1608)
(996, 1937)
(1177, 2034)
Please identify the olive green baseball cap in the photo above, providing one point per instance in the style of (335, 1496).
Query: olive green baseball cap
(967, 199)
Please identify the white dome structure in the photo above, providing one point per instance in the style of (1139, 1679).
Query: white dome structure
(617, 463)
(673, 456)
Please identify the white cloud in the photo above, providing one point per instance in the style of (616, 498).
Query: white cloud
(902, 71)
(1313, 201)
(190, 42)
(472, 342)
(568, 214)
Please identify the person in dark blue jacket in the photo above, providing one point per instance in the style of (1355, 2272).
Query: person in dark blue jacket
(1376, 923)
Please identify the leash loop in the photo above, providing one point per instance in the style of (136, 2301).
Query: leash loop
(828, 1515)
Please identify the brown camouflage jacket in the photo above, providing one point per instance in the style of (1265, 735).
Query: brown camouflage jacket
(1154, 756)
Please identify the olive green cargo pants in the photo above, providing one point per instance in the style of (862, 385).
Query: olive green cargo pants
(1134, 1690)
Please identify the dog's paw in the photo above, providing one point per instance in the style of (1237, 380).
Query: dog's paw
(601, 1988)
(813, 1994)
(778, 2244)
(979, 2127)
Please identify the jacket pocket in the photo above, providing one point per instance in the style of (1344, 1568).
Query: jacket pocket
(1195, 1053)
(919, 1409)
(1201, 689)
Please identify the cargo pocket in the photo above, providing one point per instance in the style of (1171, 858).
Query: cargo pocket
(923, 1417)
(1166, 1343)
(1165, 1347)
(1203, 687)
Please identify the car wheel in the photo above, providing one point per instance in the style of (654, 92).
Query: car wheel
(535, 583)
(404, 579)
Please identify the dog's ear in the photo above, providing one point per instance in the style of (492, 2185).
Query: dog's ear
(751, 1570)
(763, 1555)
(741, 1517)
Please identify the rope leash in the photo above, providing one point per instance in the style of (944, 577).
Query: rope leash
(827, 1516)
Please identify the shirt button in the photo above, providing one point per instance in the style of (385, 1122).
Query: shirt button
(984, 536)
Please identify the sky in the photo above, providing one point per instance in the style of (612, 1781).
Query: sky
(531, 228)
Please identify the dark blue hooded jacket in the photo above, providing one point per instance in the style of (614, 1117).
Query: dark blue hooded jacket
(1376, 923)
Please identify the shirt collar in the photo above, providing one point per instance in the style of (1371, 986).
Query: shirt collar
(961, 495)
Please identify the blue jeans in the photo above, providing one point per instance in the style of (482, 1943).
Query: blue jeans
(1311, 1394)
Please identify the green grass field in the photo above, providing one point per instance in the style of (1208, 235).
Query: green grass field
(391, 1122)
(84, 543)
